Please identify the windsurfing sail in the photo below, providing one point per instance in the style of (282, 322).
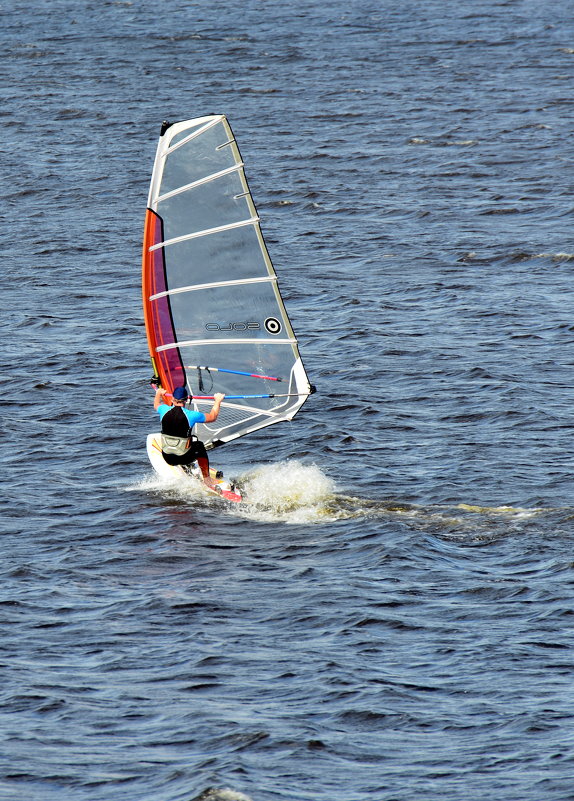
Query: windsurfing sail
(214, 316)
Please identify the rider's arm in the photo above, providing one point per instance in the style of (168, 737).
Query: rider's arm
(159, 397)
(217, 398)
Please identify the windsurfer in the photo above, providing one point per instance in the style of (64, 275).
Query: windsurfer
(179, 446)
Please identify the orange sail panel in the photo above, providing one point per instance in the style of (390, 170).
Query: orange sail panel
(157, 313)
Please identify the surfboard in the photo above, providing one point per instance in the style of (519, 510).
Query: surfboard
(222, 488)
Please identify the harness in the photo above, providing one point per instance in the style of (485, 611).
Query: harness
(176, 436)
(176, 446)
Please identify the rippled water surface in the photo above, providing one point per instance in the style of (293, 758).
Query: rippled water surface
(389, 615)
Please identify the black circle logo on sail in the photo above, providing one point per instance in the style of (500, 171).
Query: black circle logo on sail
(272, 325)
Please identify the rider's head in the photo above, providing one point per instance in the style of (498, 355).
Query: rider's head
(180, 394)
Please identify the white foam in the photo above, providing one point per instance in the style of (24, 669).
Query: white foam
(288, 491)
(178, 488)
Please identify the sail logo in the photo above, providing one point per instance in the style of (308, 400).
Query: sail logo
(272, 326)
(233, 327)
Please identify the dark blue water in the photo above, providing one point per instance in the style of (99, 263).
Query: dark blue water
(390, 617)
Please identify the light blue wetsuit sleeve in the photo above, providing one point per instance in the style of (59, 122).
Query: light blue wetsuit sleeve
(194, 417)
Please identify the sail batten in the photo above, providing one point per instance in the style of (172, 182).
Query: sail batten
(222, 343)
(191, 136)
(210, 291)
(207, 232)
(196, 287)
(201, 181)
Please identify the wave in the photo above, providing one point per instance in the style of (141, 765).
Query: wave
(295, 493)
(222, 794)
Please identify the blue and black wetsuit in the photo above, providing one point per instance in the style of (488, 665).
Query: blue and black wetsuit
(178, 422)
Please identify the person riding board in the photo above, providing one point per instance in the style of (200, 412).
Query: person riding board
(178, 446)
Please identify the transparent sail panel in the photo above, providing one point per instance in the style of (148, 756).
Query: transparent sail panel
(227, 312)
(197, 158)
(179, 137)
(235, 254)
(275, 361)
(214, 204)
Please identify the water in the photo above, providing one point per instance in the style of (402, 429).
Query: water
(389, 617)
